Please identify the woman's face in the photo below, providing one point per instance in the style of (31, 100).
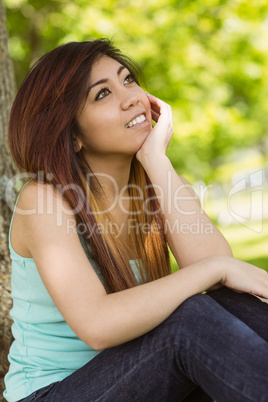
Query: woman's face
(116, 117)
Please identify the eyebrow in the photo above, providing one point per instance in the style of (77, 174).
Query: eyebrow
(104, 80)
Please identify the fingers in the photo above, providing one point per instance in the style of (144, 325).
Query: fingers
(159, 137)
(155, 108)
(155, 116)
(156, 104)
(159, 108)
(245, 277)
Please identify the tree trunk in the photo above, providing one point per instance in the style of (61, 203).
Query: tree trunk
(7, 170)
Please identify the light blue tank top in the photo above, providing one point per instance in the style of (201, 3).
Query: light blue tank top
(45, 349)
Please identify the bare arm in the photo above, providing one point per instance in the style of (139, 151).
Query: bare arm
(191, 234)
(103, 320)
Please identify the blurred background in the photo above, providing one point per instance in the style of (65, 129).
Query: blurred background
(209, 60)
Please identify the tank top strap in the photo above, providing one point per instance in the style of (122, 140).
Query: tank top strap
(13, 213)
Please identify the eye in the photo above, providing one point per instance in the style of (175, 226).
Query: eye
(129, 79)
(102, 93)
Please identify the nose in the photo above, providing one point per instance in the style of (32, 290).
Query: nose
(129, 98)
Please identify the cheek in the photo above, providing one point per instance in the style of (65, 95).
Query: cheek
(94, 130)
(89, 124)
(88, 130)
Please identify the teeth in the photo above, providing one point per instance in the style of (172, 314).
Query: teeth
(136, 121)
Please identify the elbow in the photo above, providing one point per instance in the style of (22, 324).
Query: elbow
(95, 342)
(101, 342)
(97, 345)
(98, 338)
(216, 252)
(226, 250)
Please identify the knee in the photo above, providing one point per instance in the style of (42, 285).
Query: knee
(191, 314)
(195, 306)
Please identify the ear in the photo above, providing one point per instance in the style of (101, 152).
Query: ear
(77, 144)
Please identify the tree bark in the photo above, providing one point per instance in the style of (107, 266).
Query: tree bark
(7, 170)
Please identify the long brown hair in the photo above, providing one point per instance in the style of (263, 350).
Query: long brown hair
(41, 139)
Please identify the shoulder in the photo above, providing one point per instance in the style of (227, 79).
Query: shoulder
(41, 216)
(40, 198)
(43, 213)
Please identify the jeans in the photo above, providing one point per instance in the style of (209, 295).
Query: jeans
(213, 347)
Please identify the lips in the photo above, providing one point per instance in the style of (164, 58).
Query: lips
(139, 118)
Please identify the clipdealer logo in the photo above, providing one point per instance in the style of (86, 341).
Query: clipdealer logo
(245, 201)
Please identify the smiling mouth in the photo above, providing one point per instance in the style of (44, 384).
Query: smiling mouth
(139, 119)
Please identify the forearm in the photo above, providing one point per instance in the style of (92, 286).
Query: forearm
(128, 314)
(191, 234)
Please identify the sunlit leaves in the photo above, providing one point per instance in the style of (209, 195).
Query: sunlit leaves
(209, 59)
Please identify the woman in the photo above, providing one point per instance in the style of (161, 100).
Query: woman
(94, 222)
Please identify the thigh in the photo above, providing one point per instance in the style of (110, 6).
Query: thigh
(200, 344)
(40, 394)
(141, 370)
(145, 369)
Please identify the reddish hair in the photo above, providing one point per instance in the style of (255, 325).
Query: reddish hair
(41, 137)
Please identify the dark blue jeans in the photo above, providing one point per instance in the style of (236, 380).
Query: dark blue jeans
(213, 347)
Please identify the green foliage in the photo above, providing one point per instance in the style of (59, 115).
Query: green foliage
(208, 59)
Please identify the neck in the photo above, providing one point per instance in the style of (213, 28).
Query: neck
(112, 173)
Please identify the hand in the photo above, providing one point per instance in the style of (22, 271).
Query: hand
(243, 277)
(158, 139)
